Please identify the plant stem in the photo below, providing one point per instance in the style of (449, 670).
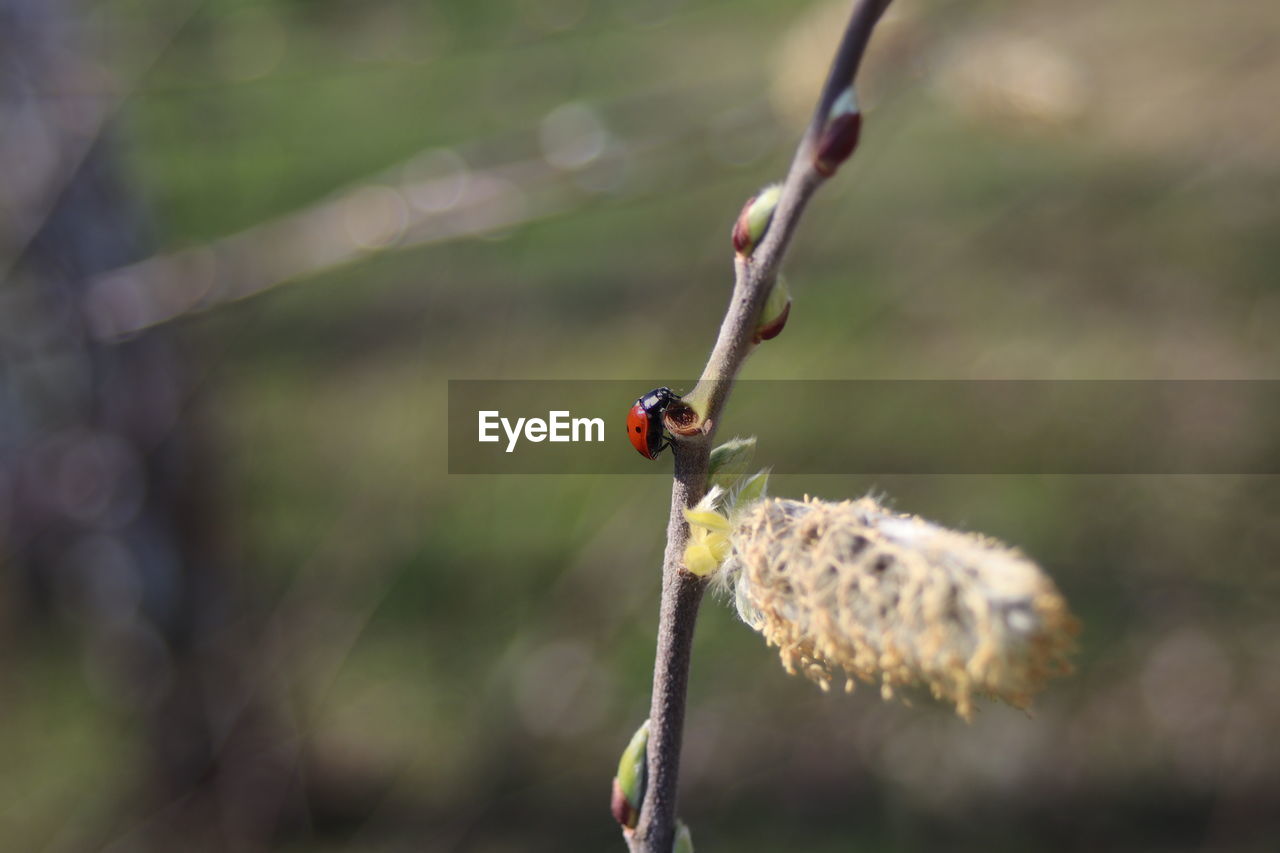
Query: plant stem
(755, 276)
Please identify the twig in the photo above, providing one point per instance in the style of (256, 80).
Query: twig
(755, 275)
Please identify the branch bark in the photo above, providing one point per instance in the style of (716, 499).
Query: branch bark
(755, 275)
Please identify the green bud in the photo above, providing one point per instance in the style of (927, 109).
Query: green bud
(754, 219)
(773, 317)
(629, 784)
(684, 839)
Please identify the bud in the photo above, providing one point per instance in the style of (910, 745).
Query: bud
(854, 589)
(754, 220)
(629, 784)
(773, 317)
(840, 136)
(684, 839)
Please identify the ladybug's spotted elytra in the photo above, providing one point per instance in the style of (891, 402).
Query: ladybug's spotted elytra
(644, 422)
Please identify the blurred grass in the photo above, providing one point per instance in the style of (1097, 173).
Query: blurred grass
(62, 749)
(951, 247)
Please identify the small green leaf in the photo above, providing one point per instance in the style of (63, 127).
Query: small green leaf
(731, 457)
(751, 490)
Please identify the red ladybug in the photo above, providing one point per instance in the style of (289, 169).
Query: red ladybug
(644, 422)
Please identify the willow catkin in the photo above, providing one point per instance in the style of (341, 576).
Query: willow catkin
(853, 589)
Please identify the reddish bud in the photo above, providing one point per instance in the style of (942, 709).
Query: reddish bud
(840, 137)
(772, 330)
(628, 786)
(623, 812)
(741, 236)
(773, 317)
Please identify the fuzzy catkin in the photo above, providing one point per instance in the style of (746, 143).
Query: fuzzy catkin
(851, 588)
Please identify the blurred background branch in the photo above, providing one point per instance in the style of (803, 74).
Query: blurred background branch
(114, 521)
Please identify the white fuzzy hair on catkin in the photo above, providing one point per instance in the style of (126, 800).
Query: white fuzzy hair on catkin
(851, 589)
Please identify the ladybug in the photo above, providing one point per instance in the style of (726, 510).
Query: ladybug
(644, 422)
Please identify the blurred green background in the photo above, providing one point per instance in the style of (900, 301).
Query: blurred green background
(362, 200)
